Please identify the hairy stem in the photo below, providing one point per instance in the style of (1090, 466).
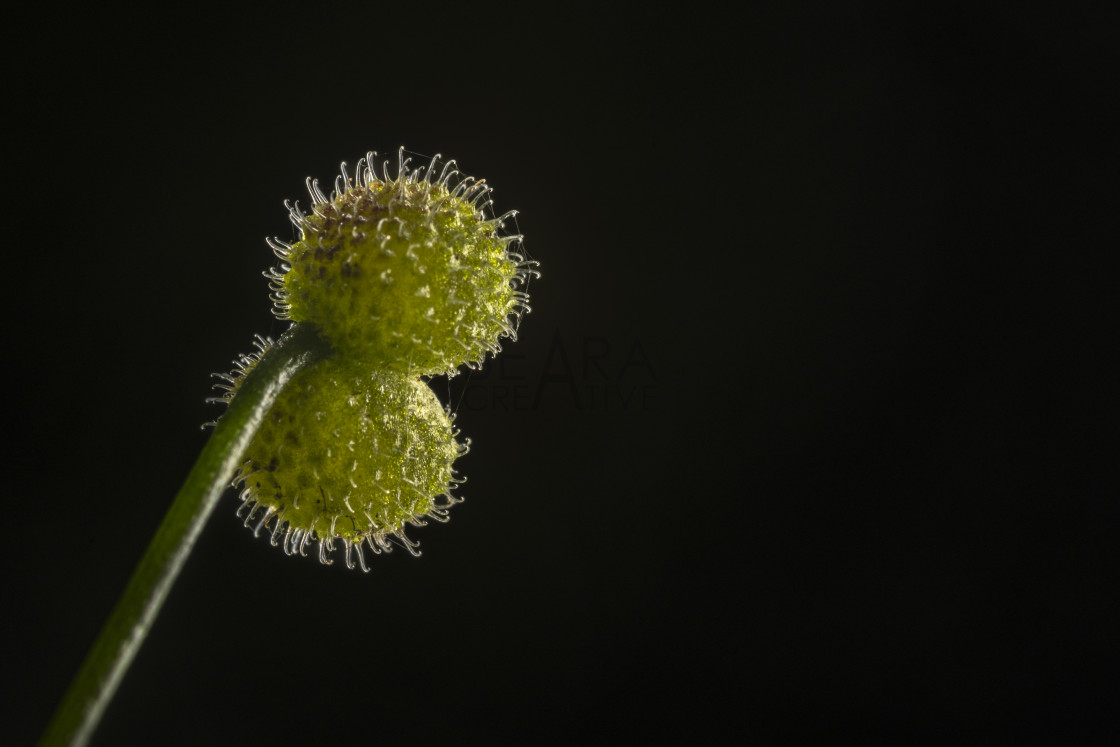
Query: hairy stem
(95, 683)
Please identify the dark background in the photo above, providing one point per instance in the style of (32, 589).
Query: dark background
(805, 438)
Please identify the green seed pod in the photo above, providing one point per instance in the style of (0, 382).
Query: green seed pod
(347, 454)
(408, 273)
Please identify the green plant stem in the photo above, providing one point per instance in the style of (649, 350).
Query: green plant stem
(116, 646)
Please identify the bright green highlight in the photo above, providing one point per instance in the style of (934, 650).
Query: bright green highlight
(351, 453)
(404, 274)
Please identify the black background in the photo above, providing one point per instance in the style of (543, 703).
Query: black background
(825, 379)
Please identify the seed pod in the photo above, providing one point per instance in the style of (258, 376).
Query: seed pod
(410, 273)
(351, 455)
